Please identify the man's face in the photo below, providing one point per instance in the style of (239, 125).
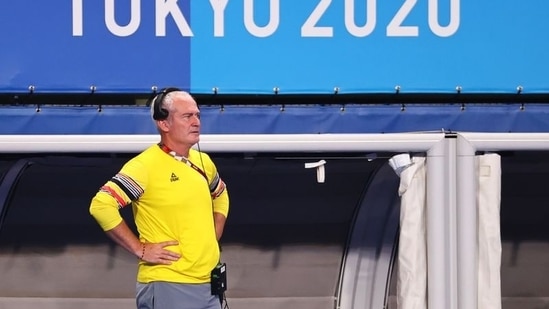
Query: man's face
(184, 121)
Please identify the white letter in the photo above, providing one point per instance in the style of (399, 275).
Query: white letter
(350, 18)
(395, 27)
(274, 19)
(454, 18)
(219, 16)
(309, 28)
(77, 18)
(163, 9)
(132, 26)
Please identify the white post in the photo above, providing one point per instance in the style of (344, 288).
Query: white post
(441, 264)
(467, 225)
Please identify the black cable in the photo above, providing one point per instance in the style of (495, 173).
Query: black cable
(226, 303)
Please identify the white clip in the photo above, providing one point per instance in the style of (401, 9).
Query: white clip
(320, 175)
(400, 162)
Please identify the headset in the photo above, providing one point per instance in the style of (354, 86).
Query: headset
(160, 113)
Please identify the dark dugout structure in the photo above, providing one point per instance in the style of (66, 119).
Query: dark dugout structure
(297, 237)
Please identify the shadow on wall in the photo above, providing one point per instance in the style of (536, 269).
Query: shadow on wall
(524, 231)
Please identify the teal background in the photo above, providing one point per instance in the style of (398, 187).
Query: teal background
(498, 47)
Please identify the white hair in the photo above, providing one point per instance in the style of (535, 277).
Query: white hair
(167, 102)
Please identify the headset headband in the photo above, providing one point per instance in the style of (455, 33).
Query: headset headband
(160, 113)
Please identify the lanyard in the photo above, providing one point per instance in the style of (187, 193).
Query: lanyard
(183, 159)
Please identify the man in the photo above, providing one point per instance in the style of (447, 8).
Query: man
(180, 205)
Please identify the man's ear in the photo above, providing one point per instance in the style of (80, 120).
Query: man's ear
(163, 125)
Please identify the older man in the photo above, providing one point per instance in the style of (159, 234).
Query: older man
(180, 205)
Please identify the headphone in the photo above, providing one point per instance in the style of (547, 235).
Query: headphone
(160, 113)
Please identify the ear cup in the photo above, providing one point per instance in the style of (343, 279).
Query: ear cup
(160, 113)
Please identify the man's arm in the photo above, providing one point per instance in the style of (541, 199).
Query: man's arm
(219, 220)
(149, 252)
(124, 236)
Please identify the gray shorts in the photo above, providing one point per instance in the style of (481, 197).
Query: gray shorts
(166, 295)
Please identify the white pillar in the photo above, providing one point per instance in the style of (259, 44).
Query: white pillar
(441, 241)
(467, 225)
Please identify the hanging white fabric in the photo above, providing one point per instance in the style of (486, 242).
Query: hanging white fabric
(489, 251)
(412, 251)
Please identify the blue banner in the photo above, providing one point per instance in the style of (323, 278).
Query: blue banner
(275, 46)
(312, 119)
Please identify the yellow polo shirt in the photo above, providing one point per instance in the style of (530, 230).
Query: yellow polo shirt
(170, 201)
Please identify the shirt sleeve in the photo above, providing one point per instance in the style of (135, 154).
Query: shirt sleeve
(221, 203)
(118, 192)
(218, 188)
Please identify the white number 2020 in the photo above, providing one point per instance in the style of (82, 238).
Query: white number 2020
(395, 27)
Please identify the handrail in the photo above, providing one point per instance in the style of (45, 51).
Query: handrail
(8, 183)
(398, 142)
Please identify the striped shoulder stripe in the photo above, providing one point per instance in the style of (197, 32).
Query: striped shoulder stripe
(128, 185)
(215, 182)
(119, 200)
(217, 187)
